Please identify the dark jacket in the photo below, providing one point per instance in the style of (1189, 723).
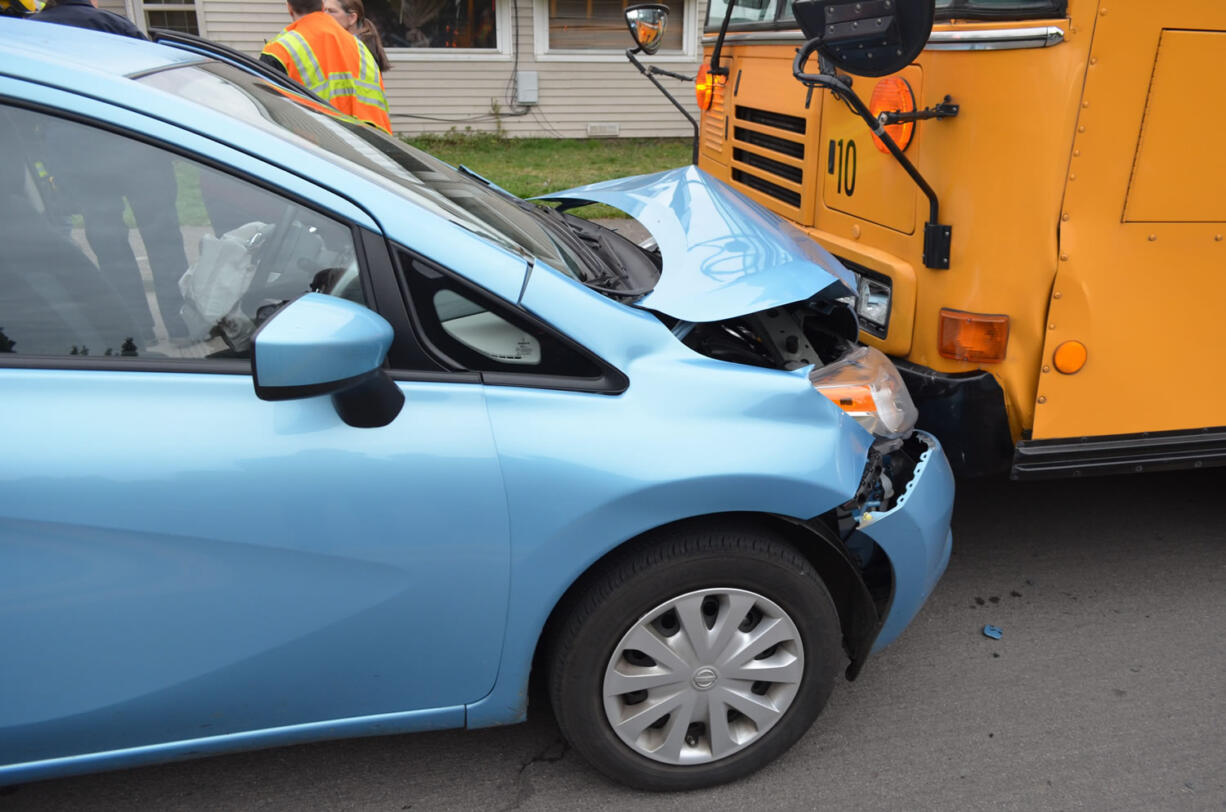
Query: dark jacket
(82, 14)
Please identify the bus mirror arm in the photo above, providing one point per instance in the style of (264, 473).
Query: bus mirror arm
(669, 73)
(716, 68)
(937, 237)
(650, 74)
(946, 109)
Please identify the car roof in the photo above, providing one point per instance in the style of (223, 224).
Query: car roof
(64, 47)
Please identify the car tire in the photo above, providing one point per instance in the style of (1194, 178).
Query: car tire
(652, 667)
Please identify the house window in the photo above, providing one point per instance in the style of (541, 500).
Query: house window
(466, 24)
(600, 25)
(172, 15)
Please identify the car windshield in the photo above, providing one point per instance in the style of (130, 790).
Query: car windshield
(433, 184)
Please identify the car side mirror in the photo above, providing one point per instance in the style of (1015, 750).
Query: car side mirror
(322, 345)
(869, 37)
(646, 22)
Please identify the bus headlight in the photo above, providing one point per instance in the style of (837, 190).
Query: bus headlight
(873, 304)
(866, 385)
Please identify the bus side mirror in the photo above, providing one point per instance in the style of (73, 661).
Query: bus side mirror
(869, 37)
(646, 22)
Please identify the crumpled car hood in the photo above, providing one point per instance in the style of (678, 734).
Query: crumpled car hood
(724, 255)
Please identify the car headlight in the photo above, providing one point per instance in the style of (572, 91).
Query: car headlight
(866, 385)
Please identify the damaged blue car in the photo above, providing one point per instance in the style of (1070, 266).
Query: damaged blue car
(311, 435)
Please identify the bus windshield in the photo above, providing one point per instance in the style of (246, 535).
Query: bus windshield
(999, 9)
(755, 13)
(764, 14)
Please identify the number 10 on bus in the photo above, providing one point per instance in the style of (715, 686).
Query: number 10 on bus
(841, 162)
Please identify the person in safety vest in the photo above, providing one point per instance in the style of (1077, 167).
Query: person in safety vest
(334, 64)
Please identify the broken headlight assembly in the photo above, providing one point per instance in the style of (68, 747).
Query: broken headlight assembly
(866, 385)
(872, 299)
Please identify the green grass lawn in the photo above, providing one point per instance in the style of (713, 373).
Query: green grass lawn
(528, 167)
(523, 166)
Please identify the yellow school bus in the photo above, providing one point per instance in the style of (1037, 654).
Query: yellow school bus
(1055, 296)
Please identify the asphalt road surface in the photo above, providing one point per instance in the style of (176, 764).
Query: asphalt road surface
(1107, 691)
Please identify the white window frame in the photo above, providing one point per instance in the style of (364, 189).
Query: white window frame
(500, 53)
(135, 10)
(543, 53)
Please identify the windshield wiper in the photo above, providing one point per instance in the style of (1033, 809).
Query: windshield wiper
(613, 278)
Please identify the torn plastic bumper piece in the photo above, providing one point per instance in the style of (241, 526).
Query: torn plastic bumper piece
(915, 536)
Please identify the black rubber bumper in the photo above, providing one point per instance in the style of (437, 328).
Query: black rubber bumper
(1121, 453)
(967, 414)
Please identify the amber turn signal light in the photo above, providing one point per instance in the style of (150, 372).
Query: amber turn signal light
(893, 95)
(1070, 357)
(972, 336)
(852, 399)
(704, 86)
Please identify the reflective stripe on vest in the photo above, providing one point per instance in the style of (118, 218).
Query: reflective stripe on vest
(305, 63)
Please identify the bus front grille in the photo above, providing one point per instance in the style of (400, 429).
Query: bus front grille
(769, 142)
(780, 121)
(714, 123)
(766, 187)
(793, 173)
(770, 163)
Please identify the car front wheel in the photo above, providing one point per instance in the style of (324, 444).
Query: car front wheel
(695, 660)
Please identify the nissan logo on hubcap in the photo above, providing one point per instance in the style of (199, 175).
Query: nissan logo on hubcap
(705, 677)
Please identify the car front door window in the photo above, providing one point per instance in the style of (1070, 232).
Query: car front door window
(116, 247)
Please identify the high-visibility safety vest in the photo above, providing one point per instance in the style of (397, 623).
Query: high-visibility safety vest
(334, 65)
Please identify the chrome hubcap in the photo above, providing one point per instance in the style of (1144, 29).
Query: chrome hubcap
(703, 675)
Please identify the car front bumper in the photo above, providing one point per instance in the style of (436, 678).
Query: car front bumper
(915, 535)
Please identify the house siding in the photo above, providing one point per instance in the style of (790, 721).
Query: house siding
(473, 92)
(116, 6)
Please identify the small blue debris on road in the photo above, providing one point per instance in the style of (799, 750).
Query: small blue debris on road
(993, 632)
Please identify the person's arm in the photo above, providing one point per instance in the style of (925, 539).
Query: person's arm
(272, 62)
(117, 24)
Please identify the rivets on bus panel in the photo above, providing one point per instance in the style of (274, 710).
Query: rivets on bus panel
(1051, 327)
(1072, 177)
(1064, 257)
(1064, 217)
(1081, 128)
(1102, 12)
(1217, 237)
(855, 231)
(1058, 294)
(1042, 398)
(1085, 104)
(1076, 153)
(1093, 60)
(1153, 237)
(1046, 368)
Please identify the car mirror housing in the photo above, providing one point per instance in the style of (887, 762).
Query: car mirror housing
(322, 345)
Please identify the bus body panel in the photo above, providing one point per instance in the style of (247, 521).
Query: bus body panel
(1146, 265)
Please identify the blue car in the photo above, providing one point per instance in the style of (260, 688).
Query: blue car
(311, 435)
